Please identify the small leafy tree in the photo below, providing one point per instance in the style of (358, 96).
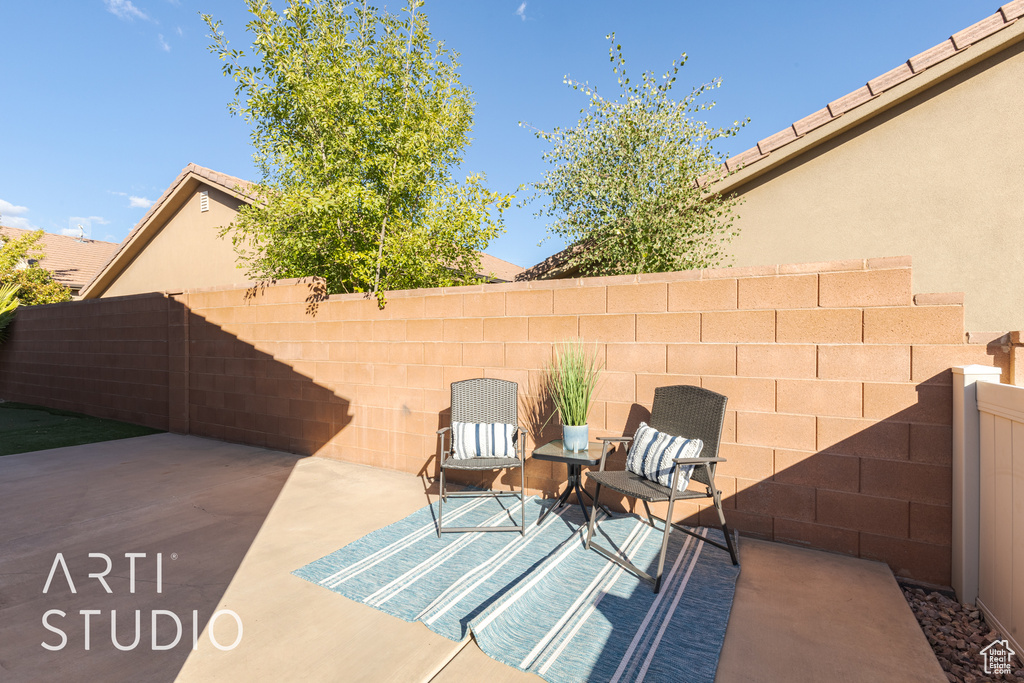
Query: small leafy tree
(8, 305)
(34, 285)
(359, 119)
(623, 190)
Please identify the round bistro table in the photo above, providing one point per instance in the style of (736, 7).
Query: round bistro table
(574, 462)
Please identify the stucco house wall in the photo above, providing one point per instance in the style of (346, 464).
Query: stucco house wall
(186, 251)
(937, 175)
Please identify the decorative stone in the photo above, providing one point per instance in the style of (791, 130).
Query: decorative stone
(957, 634)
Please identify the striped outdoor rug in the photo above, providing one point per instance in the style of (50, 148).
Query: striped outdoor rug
(543, 603)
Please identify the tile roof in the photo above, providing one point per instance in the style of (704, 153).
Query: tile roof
(499, 269)
(1004, 17)
(72, 261)
(777, 146)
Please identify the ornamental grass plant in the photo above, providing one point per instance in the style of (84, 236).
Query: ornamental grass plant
(570, 382)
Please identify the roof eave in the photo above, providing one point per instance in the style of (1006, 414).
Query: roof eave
(183, 187)
(962, 60)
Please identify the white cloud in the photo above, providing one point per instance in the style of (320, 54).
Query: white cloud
(11, 216)
(19, 222)
(521, 12)
(124, 9)
(180, 32)
(8, 209)
(163, 43)
(139, 202)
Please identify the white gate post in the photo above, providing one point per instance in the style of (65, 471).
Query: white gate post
(967, 477)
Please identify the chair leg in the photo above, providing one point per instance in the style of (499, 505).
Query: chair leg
(440, 504)
(522, 500)
(593, 517)
(650, 517)
(725, 527)
(664, 544)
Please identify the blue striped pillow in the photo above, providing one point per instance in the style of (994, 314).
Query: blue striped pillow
(482, 440)
(652, 453)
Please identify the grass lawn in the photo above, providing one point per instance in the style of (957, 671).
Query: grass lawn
(26, 428)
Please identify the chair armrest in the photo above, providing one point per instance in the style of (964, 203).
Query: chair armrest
(696, 461)
(618, 439)
(443, 430)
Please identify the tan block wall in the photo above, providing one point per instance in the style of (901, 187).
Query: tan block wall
(937, 177)
(838, 433)
(106, 358)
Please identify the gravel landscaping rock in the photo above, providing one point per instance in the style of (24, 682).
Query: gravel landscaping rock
(957, 634)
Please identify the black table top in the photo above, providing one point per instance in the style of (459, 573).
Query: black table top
(554, 452)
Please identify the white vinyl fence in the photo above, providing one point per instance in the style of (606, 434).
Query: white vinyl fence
(988, 497)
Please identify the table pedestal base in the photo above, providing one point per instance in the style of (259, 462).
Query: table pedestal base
(573, 483)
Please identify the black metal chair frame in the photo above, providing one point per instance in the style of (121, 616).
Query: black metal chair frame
(483, 400)
(682, 410)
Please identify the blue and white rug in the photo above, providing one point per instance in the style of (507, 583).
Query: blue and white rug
(543, 603)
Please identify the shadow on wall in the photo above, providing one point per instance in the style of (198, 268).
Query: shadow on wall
(239, 393)
(877, 487)
(203, 501)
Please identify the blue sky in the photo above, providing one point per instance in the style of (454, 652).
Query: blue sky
(105, 101)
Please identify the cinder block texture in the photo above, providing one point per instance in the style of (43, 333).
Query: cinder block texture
(837, 431)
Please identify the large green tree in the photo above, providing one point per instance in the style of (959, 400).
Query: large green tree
(359, 120)
(627, 186)
(19, 267)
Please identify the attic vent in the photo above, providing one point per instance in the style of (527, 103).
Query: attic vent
(204, 201)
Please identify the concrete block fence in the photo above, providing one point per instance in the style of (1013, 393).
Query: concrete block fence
(838, 434)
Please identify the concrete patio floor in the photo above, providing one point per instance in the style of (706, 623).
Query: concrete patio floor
(231, 522)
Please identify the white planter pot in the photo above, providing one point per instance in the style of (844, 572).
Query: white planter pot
(575, 439)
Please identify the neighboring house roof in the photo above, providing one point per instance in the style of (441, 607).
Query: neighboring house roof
(183, 186)
(500, 270)
(958, 52)
(72, 261)
(951, 56)
(187, 181)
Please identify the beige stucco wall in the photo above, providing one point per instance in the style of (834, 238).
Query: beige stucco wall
(939, 177)
(187, 252)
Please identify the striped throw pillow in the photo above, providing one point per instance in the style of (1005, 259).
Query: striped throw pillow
(652, 453)
(482, 440)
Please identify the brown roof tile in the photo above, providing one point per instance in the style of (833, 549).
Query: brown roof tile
(848, 102)
(773, 142)
(890, 79)
(932, 56)
(1006, 16)
(975, 32)
(1012, 10)
(72, 261)
(812, 121)
(744, 158)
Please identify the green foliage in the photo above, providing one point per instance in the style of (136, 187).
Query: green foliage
(8, 305)
(570, 382)
(359, 119)
(33, 284)
(623, 184)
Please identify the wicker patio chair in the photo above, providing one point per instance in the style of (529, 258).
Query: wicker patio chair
(483, 401)
(686, 411)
